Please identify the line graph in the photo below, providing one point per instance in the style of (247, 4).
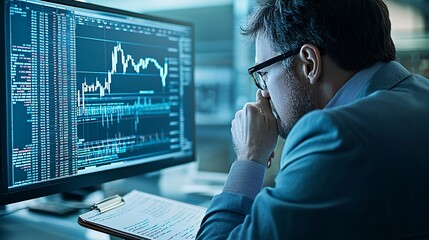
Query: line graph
(133, 93)
(127, 61)
(141, 64)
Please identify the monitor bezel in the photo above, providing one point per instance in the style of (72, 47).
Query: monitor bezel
(79, 181)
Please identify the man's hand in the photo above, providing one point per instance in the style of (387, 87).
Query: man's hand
(254, 132)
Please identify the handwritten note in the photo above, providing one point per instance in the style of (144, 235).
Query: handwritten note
(149, 216)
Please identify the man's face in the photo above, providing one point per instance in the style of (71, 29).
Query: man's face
(290, 97)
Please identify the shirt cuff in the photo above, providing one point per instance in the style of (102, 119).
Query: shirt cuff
(245, 178)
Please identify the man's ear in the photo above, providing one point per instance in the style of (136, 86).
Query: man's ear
(312, 62)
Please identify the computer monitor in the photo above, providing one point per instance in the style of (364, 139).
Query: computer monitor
(90, 94)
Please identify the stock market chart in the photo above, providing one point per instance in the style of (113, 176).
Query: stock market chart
(90, 91)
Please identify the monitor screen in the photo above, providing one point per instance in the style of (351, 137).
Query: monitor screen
(90, 94)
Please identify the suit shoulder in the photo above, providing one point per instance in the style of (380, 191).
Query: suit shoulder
(318, 133)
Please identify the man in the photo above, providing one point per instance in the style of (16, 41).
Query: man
(355, 164)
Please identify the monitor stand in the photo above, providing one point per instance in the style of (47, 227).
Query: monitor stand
(79, 194)
(65, 203)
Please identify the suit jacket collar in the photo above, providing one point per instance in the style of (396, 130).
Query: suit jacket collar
(387, 77)
(380, 76)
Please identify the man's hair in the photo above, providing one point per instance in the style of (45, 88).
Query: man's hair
(354, 33)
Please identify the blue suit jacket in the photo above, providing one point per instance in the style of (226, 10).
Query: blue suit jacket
(359, 171)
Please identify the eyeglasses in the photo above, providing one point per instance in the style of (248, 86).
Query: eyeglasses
(259, 77)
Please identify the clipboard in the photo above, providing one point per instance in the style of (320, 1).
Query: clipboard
(139, 215)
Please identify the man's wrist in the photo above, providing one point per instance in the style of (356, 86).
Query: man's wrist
(245, 178)
(251, 158)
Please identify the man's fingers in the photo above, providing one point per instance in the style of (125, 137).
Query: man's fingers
(262, 102)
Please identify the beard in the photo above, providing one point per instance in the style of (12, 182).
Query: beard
(296, 104)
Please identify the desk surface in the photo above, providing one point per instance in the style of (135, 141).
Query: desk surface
(24, 224)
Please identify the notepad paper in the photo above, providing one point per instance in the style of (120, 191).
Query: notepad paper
(150, 217)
